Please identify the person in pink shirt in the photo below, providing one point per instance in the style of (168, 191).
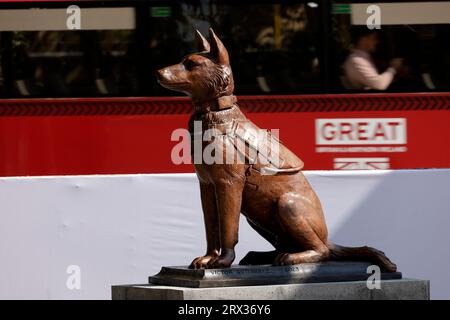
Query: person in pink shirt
(359, 68)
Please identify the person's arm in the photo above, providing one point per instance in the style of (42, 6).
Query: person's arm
(370, 77)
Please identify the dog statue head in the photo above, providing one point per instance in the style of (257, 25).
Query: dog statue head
(205, 75)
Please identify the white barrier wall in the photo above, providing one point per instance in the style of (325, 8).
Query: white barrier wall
(122, 228)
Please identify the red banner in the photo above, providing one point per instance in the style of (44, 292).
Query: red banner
(42, 138)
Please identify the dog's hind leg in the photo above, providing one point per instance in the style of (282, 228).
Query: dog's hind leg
(306, 227)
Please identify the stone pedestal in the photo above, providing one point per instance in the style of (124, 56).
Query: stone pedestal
(350, 290)
(329, 280)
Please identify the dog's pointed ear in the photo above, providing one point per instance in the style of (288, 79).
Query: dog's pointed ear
(218, 50)
(202, 43)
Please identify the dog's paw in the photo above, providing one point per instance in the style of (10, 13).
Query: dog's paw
(284, 259)
(202, 262)
(219, 263)
(223, 261)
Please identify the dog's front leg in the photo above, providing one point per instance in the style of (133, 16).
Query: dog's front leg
(211, 219)
(229, 199)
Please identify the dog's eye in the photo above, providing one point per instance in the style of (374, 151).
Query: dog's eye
(190, 65)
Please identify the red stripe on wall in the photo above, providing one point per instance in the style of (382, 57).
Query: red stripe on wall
(182, 105)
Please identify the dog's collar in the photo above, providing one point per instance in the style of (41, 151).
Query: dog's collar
(217, 104)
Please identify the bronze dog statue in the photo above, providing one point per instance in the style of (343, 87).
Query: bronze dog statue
(281, 206)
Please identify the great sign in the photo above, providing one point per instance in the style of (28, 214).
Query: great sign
(361, 131)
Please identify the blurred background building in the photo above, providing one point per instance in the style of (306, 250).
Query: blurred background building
(291, 47)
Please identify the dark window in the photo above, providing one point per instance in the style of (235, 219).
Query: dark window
(273, 48)
(73, 63)
(425, 49)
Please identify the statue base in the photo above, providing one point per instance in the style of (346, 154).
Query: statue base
(329, 280)
(401, 289)
(266, 274)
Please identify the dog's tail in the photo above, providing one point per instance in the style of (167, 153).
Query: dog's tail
(372, 255)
